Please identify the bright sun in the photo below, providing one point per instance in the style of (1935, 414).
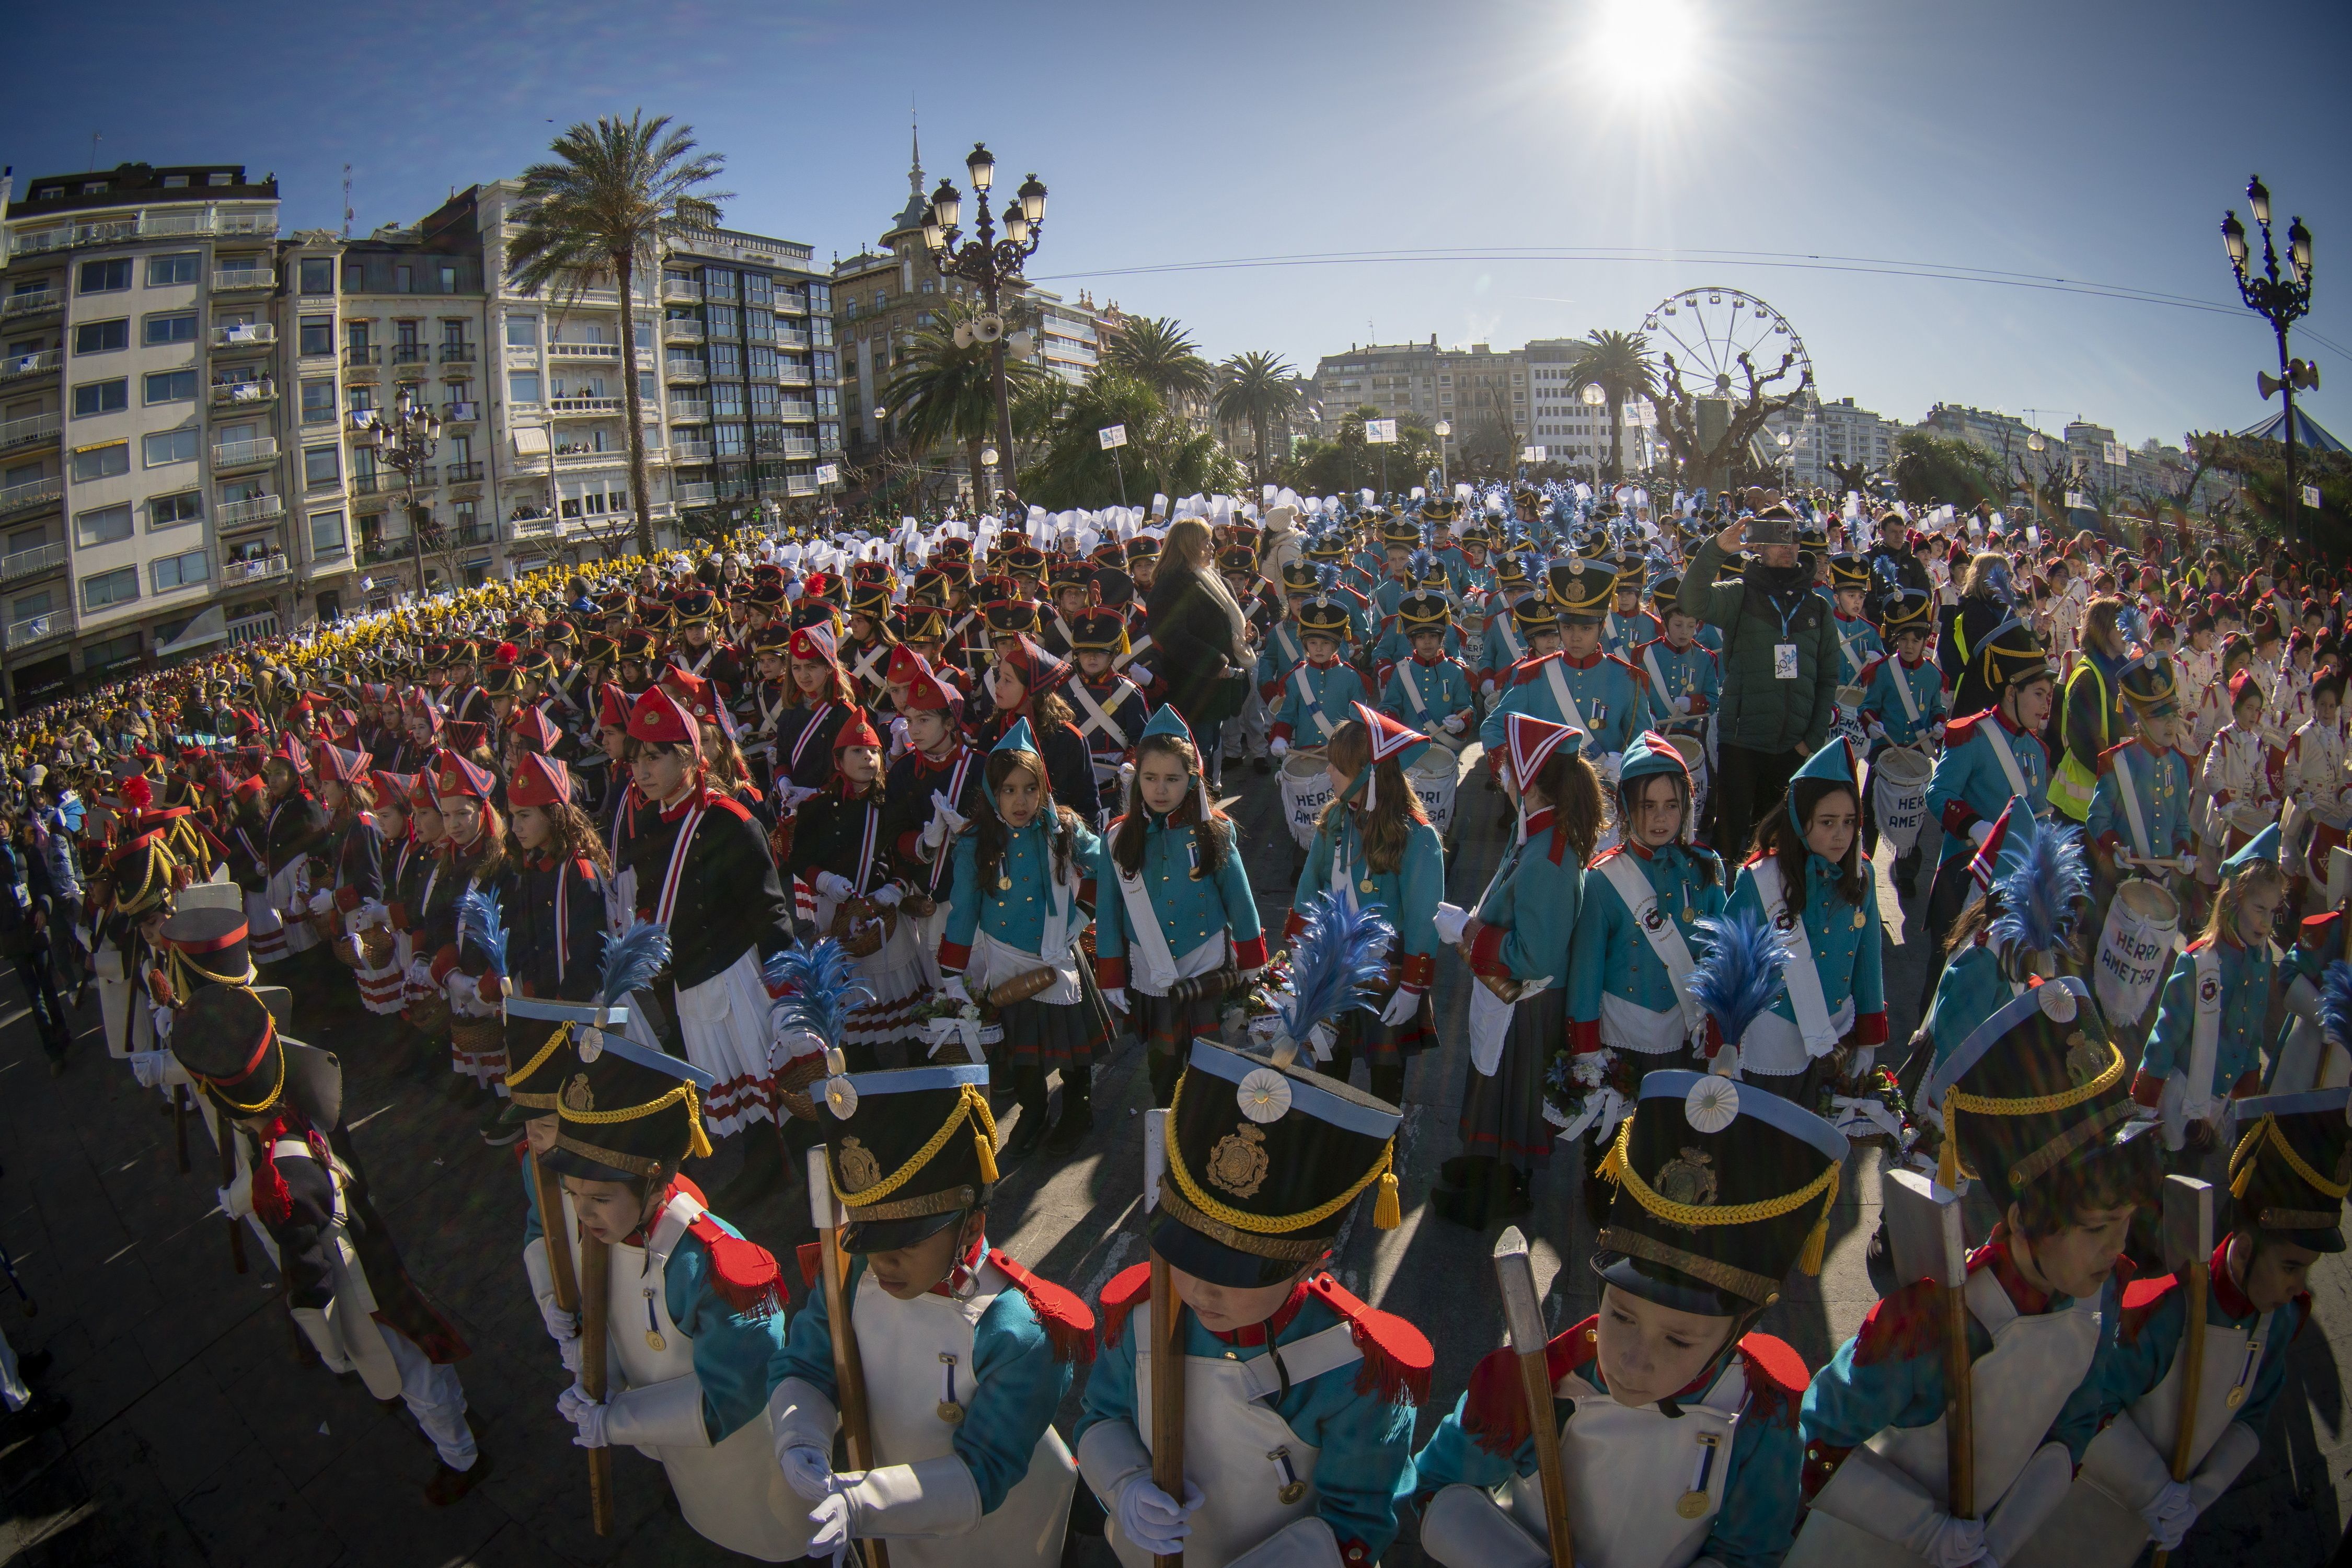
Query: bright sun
(1641, 36)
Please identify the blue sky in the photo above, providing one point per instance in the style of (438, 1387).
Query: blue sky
(2087, 141)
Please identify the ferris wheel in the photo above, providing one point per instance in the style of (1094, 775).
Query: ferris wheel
(1707, 331)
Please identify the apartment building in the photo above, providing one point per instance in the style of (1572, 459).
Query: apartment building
(140, 413)
(1479, 391)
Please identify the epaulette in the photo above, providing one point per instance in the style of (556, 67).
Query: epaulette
(1777, 1377)
(1494, 1406)
(1957, 731)
(1610, 853)
(1398, 1358)
(1629, 667)
(1903, 1326)
(1870, 671)
(729, 803)
(584, 867)
(2107, 757)
(1069, 1326)
(742, 1272)
(1528, 669)
(811, 1254)
(2142, 1297)
(1127, 1289)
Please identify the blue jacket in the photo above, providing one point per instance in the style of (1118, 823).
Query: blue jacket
(1691, 677)
(1530, 917)
(1969, 785)
(1848, 947)
(2160, 782)
(2247, 976)
(1014, 915)
(1332, 688)
(1608, 693)
(1190, 907)
(1611, 956)
(1408, 896)
(1443, 684)
(1881, 700)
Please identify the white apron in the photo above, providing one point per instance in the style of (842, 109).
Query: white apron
(1772, 1044)
(1154, 966)
(907, 1347)
(1230, 1431)
(299, 935)
(352, 1327)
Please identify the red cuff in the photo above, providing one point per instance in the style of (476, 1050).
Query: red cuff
(1584, 1036)
(954, 955)
(1697, 703)
(2111, 841)
(1110, 974)
(1486, 951)
(490, 989)
(2147, 1089)
(1250, 954)
(1870, 1029)
(1086, 891)
(347, 899)
(909, 845)
(1292, 924)
(1281, 731)
(1419, 970)
(399, 913)
(442, 962)
(1956, 816)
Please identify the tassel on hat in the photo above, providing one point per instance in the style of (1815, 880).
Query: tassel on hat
(1817, 1240)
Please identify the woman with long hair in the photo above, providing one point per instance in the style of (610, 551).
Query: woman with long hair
(1183, 913)
(1374, 845)
(1025, 684)
(472, 854)
(822, 702)
(555, 913)
(1200, 635)
(839, 872)
(1807, 867)
(1024, 894)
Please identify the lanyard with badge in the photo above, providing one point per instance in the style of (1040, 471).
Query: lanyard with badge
(1784, 652)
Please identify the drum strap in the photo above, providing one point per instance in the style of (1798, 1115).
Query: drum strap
(1845, 650)
(1095, 719)
(2141, 844)
(1314, 703)
(1902, 687)
(1569, 714)
(2204, 1035)
(1667, 694)
(1806, 998)
(1411, 688)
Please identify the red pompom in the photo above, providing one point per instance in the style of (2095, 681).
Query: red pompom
(508, 653)
(137, 792)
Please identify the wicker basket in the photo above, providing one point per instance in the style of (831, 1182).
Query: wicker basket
(478, 1037)
(377, 943)
(861, 929)
(793, 1081)
(330, 925)
(346, 949)
(427, 1014)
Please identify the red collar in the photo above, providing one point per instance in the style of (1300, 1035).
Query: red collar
(2027, 1301)
(1258, 1333)
(968, 1267)
(1431, 662)
(1639, 851)
(1588, 662)
(687, 801)
(1540, 821)
(932, 765)
(659, 1207)
(2226, 1292)
(2004, 721)
(1910, 663)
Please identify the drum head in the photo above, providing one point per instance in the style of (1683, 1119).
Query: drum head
(2149, 902)
(2249, 819)
(1903, 763)
(1299, 768)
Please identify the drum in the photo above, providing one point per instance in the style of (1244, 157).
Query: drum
(1693, 755)
(2134, 949)
(1434, 778)
(1898, 795)
(1848, 722)
(2239, 823)
(1306, 791)
(2329, 822)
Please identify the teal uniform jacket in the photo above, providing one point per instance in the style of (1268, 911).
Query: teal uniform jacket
(2160, 782)
(1610, 955)
(1407, 897)
(1882, 703)
(1396, 644)
(1386, 593)
(1485, 1442)
(1191, 907)
(1504, 645)
(735, 1333)
(1442, 683)
(1970, 786)
(1859, 645)
(1691, 677)
(1622, 633)
(1014, 916)
(1284, 647)
(1470, 578)
(1019, 1380)
(1333, 688)
(1529, 918)
(2154, 1316)
(1610, 697)
(1971, 989)
(1849, 950)
(2247, 976)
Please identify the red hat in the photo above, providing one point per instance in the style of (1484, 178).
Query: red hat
(1532, 741)
(334, 765)
(658, 718)
(468, 734)
(1039, 671)
(534, 728)
(392, 789)
(248, 788)
(2238, 683)
(420, 792)
(926, 694)
(540, 781)
(815, 643)
(454, 775)
(858, 734)
(903, 665)
(612, 707)
(682, 683)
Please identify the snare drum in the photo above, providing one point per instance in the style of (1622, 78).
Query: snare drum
(1434, 776)
(1306, 791)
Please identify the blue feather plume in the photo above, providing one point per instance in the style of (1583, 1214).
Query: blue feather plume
(820, 989)
(1740, 974)
(1422, 565)
(2335, 1003)
(2040, 894)
(1339, 956)
(479, 922)
(632, 959)
(1326, 576)
(1996, 579)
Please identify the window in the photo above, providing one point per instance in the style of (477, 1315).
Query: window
(820, 298)
(448, 279)
(161, 446)
(404, 279)
(718, 283)
(169, 512)
(359, 398)
(828, 402)
(764, 401)
(100, 337)
(112, 651)
(318, 334)
(463, 515)
(177, 328)
(826, 365)
(180, 267)
(757, 288)
(174, 573)
(105, 276)
(317, 275)
(522, 332)
(322, 468)
(101, 396)
(522, 386)
(104, 525)
(318, 401)
(170, 385)
(103, 462)
(326, 534)
(727, 440)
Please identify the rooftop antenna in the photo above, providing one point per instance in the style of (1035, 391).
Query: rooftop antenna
(347, 201)
(94, 140)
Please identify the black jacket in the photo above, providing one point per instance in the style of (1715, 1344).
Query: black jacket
(1192, 642)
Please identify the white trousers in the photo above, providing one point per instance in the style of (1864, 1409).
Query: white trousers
(436, 1398)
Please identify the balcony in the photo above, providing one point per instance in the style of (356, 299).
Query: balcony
(790, 337)
(682, 368)
(681, 331)
(411, 354)
(38, 628)
(577, 406)
(260, 569)
(583, 351)
(173, 222)
(21, 365)
(688, 411)
(462, 473)
(376, 551)
(23, 563)
(797, 446)
(32, 302)
(694, 495)
(245, 338)
(31, 496)
(799, 411)
(690, 451)
(246, 513)
(794, 375)
(256, 394)
(363, 356)
(539, 527)
(465, 413)
(39, 430)
(682, 291)
(231, 279)
(245, 454)
(368, 484)
(472, 533)
(457, 353)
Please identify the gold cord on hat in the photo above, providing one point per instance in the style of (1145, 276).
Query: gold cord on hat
(1948, 1165)
(1619, 1168)
(2243, 1160)
(970, 1105)
(1385, 1215)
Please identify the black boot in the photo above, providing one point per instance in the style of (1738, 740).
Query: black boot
(1030, 1087)
(1077, 1116)
(763, 1171)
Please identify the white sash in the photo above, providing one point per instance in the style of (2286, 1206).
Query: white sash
(2204, 1035)
(863, 666)
(2141, 844)
(1095, 717)
(1650, 663)
(1991, 729)
(1664, 937)
(1314, 705)
(1411, 690)
(808, 733)
(674, 876)
(1806, 999)
(1160, 968)
(1510, 634)
(1569, 714)
(1292, 654)
(1902, 690)
(1845, 647)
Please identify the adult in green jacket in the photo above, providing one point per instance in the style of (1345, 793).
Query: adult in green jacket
(1780, 666)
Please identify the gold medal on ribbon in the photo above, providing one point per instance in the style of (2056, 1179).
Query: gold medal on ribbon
(654, 1341)
(1691, 1505)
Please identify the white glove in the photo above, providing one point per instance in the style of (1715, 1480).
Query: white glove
(1681, 704)
(1400, 1007)
(1451, 918)
(561, 1326)
(373, 912)
(935, 832)
(947, 811)
(1154, 1520)
(809, 1471)
(1874, 729)
(568, 1352)
(465, 993)
(1959, 1543)
(585, 1414)
(886, 895)
(830, 1538)
(1454, 724)
(795, 797)
(1116, 997)
(834, 886)
(420, 978)
(149, 1067)
(1278, 746)
(236, 1199)
(1139, 673)
(1979, 831)
(952, 989)
(2170, 1514)
(1610, 763)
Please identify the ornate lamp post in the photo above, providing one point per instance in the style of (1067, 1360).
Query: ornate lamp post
(993, 264)
(405, 442)
(2281, 301)
(1441, 429)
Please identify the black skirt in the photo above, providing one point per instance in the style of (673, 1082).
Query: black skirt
(1503, 1116)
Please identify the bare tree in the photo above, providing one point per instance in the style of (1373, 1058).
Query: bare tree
(1757, 402)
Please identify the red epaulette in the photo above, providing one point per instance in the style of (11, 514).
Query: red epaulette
(2142, 1297)
(1903, 1326)
(1628, 665)
(1398, 1358)
(1527, 670)
(1495, 1408)
(729, 803)
(1777, 1377)
(742, 1272)
(1958, 729)
(1069, 1326)
(811, 1260)
(1610, 853)
(584, 867)
(1127, 1289)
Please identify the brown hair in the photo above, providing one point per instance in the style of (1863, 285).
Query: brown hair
(1214, 836)
(2223, 916)
(989, 848)
(574, 835)
(1979, 573)
(1778, 836)
(1572, 789)
(1396, 810)
(1629, 795)
(841, 692)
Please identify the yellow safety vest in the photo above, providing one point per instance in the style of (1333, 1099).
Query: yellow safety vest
(2074, 781)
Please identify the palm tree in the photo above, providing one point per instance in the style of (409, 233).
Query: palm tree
(941, 392)
(1619, 365)
(1159, 352)
(608, 205)
(1163, 451)
(1257, 389)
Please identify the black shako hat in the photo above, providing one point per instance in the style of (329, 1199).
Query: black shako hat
(2291, 1170)
(625, 1109)
(910, 1152)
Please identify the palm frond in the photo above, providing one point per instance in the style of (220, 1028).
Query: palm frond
(1335, 962)
(2335, 1003)
(1741, 973)
(819, 988)
(479, 922)
(632, 959)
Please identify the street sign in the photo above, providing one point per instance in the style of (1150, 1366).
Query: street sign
(2115, 453)
(828, 473)
(1111, 436)
(1380, 432)
(2311, 497)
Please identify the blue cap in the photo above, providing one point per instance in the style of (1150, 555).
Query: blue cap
(1018, 739)
(2262, 845)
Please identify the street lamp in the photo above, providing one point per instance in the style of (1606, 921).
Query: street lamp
(995, 264)
(405, 442)
(2281, 301)
(1441, 429)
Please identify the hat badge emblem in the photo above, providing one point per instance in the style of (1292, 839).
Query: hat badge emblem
(1238, 1164)
(578, 1098)
(858, 1168)
(2208, 989)
(2084, 1060)
(1690, 1179)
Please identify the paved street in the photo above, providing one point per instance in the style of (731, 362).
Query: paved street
(197, 1438)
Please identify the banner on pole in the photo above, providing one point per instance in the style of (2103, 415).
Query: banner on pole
(1111, 436)
(1380, 432)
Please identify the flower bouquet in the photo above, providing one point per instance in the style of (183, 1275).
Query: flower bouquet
(957, 1031)
(1590, 1090)
(1873, 1110)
